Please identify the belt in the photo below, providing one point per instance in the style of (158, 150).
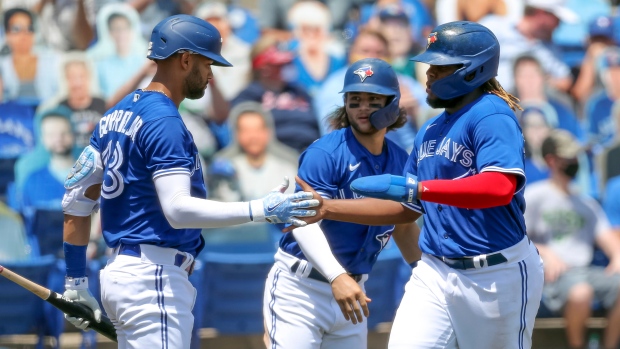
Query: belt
(316, 275)
(134, 251)
(474, 262)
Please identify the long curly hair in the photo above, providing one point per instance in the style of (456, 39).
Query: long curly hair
(493, 86)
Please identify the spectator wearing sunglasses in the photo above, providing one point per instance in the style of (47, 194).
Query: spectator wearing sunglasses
(30, 73)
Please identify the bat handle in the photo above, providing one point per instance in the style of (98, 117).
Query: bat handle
(105, 327)
(79, 310)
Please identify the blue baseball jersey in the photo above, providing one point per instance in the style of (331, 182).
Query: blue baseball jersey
(329, 166)
(600, 124)
(141, 138)
(482, 136)
(611, 203)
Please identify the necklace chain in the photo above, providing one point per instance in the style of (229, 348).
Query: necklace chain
(162, 92)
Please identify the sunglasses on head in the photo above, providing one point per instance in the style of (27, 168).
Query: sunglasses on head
(16, 29)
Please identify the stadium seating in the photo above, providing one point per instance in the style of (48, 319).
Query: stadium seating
(233, 270)
(15, 245)
(244, 238)
(7, 175)
(232, 291)
(46, 228)
(230, 277)
(386, 285)
(23, 312)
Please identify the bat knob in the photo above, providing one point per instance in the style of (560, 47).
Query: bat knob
(1, 269)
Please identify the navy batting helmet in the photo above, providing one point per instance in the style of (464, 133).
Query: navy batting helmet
(185, 32)
(374, 75)
(469, 44)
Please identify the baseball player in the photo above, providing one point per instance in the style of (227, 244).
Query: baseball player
(143, 162)
(308, 286)
(479, 282)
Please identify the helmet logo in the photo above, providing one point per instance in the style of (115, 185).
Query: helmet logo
(432, 37)
(364, 72)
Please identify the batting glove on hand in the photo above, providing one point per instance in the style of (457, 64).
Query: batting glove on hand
(278, 207)
(387, 186)
(76, 289)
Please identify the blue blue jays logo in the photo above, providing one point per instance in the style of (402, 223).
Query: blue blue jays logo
(384, 238)
(364, 72)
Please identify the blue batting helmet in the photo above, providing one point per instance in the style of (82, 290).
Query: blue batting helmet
(185, 32)
(374, 75)
(469, 44)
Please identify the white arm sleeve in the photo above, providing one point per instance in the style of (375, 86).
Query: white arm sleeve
(184, 211)
(315, 247)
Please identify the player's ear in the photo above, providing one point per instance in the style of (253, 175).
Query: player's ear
(185, 61)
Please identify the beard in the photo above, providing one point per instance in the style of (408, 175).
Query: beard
(194, 85)
(362, 130)
(437, 103)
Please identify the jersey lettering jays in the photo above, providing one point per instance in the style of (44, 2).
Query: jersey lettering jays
(329, 165)
(482, 136)
(143, 138)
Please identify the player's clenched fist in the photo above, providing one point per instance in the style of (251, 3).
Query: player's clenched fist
(351, 299)
(278, 207)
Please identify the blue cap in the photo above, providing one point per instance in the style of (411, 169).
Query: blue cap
(601, 26)
(393, 12)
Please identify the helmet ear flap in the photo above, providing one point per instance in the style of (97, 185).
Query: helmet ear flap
(387, 115)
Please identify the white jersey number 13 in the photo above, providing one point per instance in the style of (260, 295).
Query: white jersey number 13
(113, 183)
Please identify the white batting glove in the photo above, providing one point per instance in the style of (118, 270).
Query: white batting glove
(76, 289)
(277, 207)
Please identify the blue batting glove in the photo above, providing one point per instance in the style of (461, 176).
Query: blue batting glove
(278, 207)
(387, 186)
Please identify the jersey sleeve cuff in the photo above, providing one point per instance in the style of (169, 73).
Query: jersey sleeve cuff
(169, 171)
(515, 171)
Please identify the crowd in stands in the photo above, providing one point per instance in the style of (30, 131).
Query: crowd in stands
(63, 63)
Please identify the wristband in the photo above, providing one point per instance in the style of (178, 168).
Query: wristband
(80, 283)
(414, 264)
(411, 188)
(75, 259)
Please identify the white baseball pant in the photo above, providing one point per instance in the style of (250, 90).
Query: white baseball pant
(301, 313)
(149, 299)
(486, 307)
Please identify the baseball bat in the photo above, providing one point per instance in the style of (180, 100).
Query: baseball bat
(67, 306)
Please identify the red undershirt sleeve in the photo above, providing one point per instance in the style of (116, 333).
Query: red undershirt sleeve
(484, 190)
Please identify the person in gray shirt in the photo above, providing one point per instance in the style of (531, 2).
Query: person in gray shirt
(565, 226)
